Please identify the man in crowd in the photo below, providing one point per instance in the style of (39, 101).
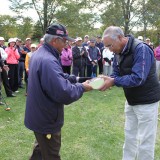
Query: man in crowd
(134, 69)
(2, 43)
(4, 73)
(94, 55)
(100, 45)
(86, 40)
(22, 54)
(48, 90)
(79, 58)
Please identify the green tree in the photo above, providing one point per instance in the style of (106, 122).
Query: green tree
(8, 26)
(25, 28)
(45, 9)
(37, 32)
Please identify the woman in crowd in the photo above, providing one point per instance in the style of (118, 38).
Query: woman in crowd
(12, 62)
(66, 59)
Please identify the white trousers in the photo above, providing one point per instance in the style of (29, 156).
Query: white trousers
(107, 70)
(158, 69)
(140, 131)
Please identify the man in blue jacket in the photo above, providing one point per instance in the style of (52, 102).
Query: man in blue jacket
(134, 69)
(48, 90)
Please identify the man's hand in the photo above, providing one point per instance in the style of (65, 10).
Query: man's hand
(82, 53)
(108, 82)
(86, 85)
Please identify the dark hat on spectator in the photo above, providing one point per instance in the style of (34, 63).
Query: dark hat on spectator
(58, 30)
(92, 41)
(99, 36)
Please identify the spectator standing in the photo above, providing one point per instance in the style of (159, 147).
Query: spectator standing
(27, 49)
(157, 56)
(66, 58)
(79, 58)
(27, 61)
(94, 55)
(107, 61)
(4, 73)
(22, 54)
(148, 41)
(86, 39)
(100, 45)
(40, 43)
(12, 62)
(2, 43)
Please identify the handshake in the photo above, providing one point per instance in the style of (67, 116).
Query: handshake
(101, 83)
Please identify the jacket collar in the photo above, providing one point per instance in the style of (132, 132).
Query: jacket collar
(52, 50)
(128, 45)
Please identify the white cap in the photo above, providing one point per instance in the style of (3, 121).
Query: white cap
(42, 39)
(28, 39)
(11, 40)
(147, 39)
(33, 46)
(78, 39)
(1, 39)
(86, 36)
(140, 38)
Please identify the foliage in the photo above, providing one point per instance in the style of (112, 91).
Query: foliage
(8, 26)
(25, 28)
(37, 32)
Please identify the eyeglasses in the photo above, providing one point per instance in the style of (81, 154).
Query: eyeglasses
(62, 39)
(110, 46)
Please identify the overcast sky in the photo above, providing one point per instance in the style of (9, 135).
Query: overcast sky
(4, 10)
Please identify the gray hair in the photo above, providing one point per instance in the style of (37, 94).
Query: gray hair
(113, 32)
(48, 38)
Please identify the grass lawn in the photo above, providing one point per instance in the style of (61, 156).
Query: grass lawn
(93, 128)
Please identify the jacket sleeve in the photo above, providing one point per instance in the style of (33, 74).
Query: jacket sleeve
(143, 60)
(4, 55)
(60, 89)
(16, 54)
(27, 62)
(76, 55)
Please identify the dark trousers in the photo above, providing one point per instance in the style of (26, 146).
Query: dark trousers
(78, 71)
(20, 72)
(91, 71)
(67, 69)
(100, 65)
(47, 148)
(13, 76)
(5, 81)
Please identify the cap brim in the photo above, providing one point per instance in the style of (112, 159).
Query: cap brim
(70, 39)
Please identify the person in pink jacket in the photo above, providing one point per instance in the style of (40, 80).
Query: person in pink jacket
(66, 59)
(12, 62)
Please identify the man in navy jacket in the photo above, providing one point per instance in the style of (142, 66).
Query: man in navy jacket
(134, 69)
(48, 90)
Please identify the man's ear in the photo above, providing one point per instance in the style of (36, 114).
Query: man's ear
(54, 42)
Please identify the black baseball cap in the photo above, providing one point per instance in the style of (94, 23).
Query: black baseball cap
(59, 30)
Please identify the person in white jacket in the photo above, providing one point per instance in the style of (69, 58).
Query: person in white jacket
(107, 61)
